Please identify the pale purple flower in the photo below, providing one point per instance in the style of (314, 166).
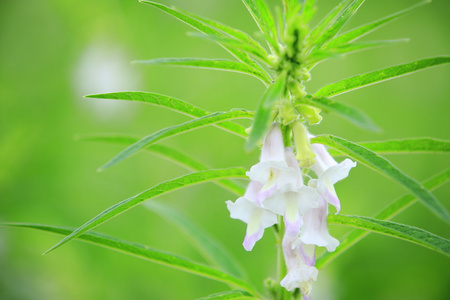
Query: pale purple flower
(329, 173)
(293, 199)
(249, 210)
(272, 171)
(315, 228)
(300, 260)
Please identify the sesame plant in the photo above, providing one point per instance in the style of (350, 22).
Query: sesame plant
(290, 190)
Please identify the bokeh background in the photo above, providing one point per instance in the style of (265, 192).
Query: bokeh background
(53, 52)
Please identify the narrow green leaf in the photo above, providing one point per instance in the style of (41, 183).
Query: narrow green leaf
(370, 78)
(404, 146)
(327, 52)
(165, 152)
(236, 295)
(175, 130)
(208, 247)
(250, 49)
(197, 23)
(143, 252)
(235, 33)
(204, 63)
(308, 10)
(173, 104)
(326, 22)
(361, 31)
(263, 18)
(339, 22)
(401, 231)
(389, 212)
(262, 118)
(347, 112)
(155, 191)
(385, 167)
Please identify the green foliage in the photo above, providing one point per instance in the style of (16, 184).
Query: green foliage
(263, 18)
(401, 231)
(156, 191)
(238, 295)
(382, 165)
(405, 146)
(293, 50)
(389, 212)
(144, 252)
(175, 130)
(210, 249)
(264, 116)
(172, 104)
(345, 111)
(365, 29)
(165, 152)
(370, 78)
(220, 64)
(202, 25)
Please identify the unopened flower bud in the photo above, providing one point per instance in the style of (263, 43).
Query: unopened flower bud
(303, 147)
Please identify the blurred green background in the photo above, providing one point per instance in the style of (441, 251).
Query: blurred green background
(53, 52)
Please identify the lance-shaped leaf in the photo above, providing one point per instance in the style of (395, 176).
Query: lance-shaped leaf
(326, 22)
(345, 111)
(401, 231)
(204, 27)
(389, 212)
(204, 63)
(208, 247)
(370, 78)
(362, 30)
(237, 295)
(175, 130)
(320, 55)
(165, 152)
(405, 146)
(232, 32)
(308, 10)
(263, 114)
(385, 167)
(144, 252)
(156, 191)
(263, 18)
(170, 103)
(339, 22)
(250, 49)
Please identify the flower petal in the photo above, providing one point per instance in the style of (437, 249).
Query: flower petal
(315, 228)
(323, 159)
(273, 147)
(256, 217)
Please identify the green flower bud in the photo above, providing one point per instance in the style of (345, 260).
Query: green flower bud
(305, 154)
(310, 113)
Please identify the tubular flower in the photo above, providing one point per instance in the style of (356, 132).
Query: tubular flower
(249, 210)
(329, 173)
(300, 262)
(272, 171)
(293, 199)
(315, 229)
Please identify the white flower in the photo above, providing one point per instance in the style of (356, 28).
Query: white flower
(315, 228)
(293, 199)
(329, 172)
(300, 262)
(249, 210)
(272, 171)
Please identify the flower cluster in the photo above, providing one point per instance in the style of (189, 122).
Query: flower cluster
(277, 189)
